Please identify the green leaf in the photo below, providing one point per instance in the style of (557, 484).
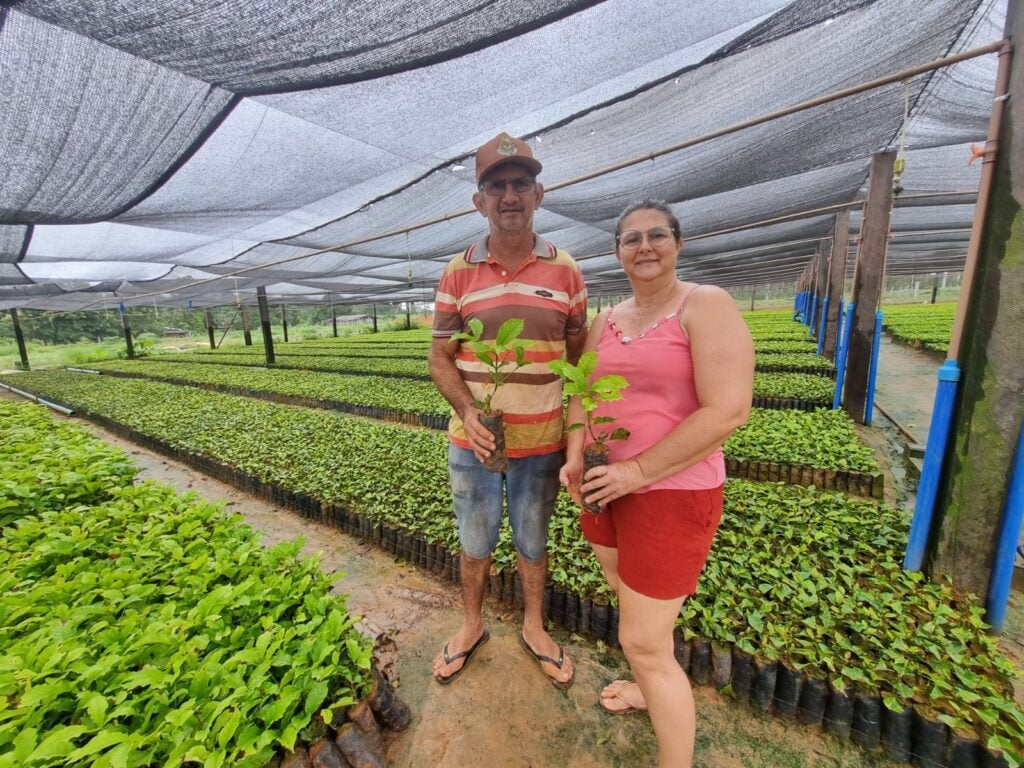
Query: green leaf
(509, 330)
(98, 743)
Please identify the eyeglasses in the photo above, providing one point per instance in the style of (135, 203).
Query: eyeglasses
(630, 240)
(496, 187)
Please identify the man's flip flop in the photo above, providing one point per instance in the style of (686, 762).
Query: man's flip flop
(541, 659)
(622, 697)
(467, 655)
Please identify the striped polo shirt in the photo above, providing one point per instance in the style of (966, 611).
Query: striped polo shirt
(548, 294)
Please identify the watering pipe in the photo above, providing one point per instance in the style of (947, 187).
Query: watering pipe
(844, 344)
(1009, 536)
(876, 342)
(821, 325)
(41, 401)
(949, 372)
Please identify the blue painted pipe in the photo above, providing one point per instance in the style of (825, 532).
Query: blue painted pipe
(813, 308)
(876, 340)
(931, 472)
(1009, 536)
(821, 324)
(844, 344)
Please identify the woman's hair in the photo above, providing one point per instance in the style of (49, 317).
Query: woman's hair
(649, 205)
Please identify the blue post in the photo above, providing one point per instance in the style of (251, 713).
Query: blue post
(876, 341)
(845, 332)
(814, 306)
(821, 324)
(1009, 535)
(931, 472)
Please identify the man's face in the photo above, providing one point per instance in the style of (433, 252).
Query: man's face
(506, 209)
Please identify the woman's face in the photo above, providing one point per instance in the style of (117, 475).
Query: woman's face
(643, 248)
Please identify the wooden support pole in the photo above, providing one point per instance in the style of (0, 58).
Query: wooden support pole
(836, 280)
(208, 314)
(935, 287)
(284, 322)
(246, 325)
(867, 282)
(821, 282)
(268, 333)
(127, 333)
(989, 407)
(334, 319)
(374, 318)
(19, 337)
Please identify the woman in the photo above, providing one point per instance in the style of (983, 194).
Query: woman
(689, 361)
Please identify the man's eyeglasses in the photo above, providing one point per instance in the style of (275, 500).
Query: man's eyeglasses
(496, 187)
(630, 240)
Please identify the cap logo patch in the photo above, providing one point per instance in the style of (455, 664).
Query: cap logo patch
(506, 147)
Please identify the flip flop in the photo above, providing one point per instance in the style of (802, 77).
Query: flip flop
(467, 655)
(622, 697)
(541, 660)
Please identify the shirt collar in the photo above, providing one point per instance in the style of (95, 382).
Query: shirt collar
(477, 252)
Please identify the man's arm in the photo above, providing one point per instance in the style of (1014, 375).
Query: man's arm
(574, 343)
(449, 383)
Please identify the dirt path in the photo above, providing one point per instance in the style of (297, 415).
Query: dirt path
(905, 386)
(502, 712)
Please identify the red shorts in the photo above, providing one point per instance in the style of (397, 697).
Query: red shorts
(663, 538)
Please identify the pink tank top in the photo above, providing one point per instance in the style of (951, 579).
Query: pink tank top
(661, 394)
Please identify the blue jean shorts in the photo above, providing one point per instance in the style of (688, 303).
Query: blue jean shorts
(531, 485)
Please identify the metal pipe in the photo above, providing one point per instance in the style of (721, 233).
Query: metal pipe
(981, 206)
(821, 325)
(1009, 536)
(845, 333)
(931, 471)
(869, 405)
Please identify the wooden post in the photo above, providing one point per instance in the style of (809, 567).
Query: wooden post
(935, 287)
(989, 407)
(268, 334)
(867, 282)
(284, 322)
(408, 317)
(753, 293)
(19, 337)
(334, 320)
(246, 325)
(127, 333)
(208, 314)
(836, 280)
(374, 318)
(821, 286)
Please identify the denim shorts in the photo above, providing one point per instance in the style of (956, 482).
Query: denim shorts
(531, 484)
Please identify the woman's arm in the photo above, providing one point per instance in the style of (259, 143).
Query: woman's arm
(723, 363)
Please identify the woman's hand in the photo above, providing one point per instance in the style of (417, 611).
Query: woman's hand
(605, 484)
(570, 476)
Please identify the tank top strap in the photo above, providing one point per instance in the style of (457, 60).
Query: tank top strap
(686, 298)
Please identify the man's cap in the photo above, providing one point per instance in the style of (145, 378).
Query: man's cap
(504, 148)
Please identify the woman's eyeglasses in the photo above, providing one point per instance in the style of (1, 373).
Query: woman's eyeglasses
(630, 240)
(496, 187)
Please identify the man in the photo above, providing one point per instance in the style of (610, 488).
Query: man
(509, 273)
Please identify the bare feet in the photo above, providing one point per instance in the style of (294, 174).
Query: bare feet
(622, 697)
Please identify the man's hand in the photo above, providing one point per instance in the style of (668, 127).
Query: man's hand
(480, 438)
